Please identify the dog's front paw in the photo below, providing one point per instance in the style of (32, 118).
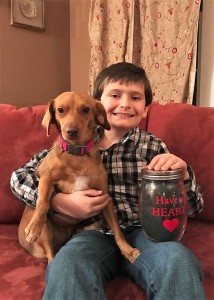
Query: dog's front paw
(33, 231)
(127, 250)
(133, 255)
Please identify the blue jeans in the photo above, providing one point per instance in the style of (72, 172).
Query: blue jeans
(81, 269)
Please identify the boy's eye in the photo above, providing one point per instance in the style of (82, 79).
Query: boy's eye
(114, 95)
(135, 98)
(60, 110)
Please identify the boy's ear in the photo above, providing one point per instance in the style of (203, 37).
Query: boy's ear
(145, 112)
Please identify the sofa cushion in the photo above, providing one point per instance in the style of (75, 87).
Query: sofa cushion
(188, 131)
(190, 127)
(21, 136)
(22, 276)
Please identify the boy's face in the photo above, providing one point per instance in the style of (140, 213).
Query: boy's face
(124, 104)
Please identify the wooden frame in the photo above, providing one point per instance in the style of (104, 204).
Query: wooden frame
(28, 14)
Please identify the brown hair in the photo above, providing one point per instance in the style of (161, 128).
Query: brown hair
(125, 73)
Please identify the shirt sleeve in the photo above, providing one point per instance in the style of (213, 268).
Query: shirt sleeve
(194, 194)
(24, 182)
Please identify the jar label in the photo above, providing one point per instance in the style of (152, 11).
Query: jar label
(170, 225)
(168, 207)
(163, 211)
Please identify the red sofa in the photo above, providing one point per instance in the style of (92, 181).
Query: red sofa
(189, 133)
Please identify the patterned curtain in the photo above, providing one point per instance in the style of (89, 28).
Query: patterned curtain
(159, 35)
(111, 34)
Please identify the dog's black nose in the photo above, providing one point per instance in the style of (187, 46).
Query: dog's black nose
(72, 132)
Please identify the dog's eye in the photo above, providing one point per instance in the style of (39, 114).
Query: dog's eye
(60, 110)
(86, 110)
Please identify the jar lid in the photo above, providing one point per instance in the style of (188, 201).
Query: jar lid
(162, 175)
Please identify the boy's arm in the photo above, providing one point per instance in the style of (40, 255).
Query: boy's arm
(24, 182)
(194, 194)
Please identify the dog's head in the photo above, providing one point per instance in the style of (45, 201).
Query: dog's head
(76, 116)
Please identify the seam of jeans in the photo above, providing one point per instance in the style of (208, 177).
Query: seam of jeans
(140, 265)
(150, 280)
(98, 269)
(101, 284)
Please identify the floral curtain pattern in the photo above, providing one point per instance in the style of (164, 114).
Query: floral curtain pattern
(159, 35)
(110, 31)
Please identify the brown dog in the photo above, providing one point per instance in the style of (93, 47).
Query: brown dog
(73, 164)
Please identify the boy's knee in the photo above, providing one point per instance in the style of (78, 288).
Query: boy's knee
(175, 256)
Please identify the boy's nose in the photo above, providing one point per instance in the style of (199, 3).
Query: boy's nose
(125, 102)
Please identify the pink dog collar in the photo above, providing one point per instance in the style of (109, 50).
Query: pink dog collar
(75, 149)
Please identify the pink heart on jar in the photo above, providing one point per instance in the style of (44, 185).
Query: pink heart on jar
(170, 225)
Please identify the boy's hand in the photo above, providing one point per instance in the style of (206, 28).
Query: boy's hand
(167, 161)
(80, 204)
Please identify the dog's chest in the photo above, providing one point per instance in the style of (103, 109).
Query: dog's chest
(88, 177)
(81, 183)
(75, 173)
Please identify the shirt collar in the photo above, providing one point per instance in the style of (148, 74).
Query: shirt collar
(133, 135)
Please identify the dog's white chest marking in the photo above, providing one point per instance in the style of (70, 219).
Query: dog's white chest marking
(81, 183)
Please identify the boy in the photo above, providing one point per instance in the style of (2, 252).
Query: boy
(90, 259)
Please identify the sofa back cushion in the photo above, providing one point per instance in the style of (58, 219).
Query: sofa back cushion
(21, 136)
(188, 131)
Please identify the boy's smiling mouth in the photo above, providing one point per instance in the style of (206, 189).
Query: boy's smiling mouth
(123, 115)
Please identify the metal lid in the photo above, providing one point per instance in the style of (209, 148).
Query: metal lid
(162, 175)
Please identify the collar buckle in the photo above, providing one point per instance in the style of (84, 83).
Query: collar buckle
(75, 149)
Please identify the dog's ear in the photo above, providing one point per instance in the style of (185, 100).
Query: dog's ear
(100, 115)
(49, 117)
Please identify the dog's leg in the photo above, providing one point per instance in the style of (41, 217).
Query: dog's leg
(111, 219)
(45, 241)
(36, 248)
(34, 228)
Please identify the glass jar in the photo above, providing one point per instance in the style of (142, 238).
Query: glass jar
(163, 205)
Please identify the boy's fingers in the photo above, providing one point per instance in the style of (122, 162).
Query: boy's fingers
(100, 200)
(100, 206)
(92, 193)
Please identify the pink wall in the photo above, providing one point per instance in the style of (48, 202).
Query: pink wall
(35, 66)
(80, 44)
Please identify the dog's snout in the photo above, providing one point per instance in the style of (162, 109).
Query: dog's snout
(72, 131)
